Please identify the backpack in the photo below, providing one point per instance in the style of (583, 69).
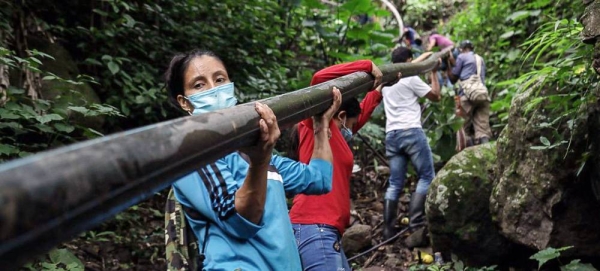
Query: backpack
(475, 91)
(181, 242)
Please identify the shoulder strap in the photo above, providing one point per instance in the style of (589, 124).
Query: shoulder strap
(478, 63)
(180, 240)
(198, 216)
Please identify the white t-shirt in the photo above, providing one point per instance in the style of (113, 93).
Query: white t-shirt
(402, 109)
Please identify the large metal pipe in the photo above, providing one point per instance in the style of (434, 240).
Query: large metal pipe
(49, 197)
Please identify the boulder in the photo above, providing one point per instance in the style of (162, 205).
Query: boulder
(591, 22)
(591, 29)
(65, 94)
(543, 195)
(457, 208)
(356, 238)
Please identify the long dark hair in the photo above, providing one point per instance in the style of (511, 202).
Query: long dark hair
(176, 71)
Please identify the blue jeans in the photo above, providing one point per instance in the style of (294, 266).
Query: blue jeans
(400, 146)
(320, 247)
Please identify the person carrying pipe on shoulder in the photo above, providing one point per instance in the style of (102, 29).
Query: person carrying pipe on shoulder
(412, 40)
(437, 40)
(405, 141)
(319, 221)
(236, 206)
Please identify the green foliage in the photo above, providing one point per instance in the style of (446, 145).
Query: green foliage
(440, 124)
(560, 80)
(499, 30)
(270, 47)
(541, 257)
(547, 254)
(57, 260)
(31, 125)
(335, 34)
(427, 14)
(576, 265)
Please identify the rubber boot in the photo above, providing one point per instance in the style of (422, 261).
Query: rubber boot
(390, 210)
(416, 211)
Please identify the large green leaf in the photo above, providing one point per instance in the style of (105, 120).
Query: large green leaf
(113, 67)
(8, 149)
(67, 258)
(48, 117)
(5, 114)
(357, 6)
(64, 127)
(575, 265)
(548, 254)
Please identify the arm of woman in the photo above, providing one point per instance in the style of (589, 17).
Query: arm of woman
(250, 198)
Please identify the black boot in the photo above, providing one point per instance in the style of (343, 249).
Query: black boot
(416, 211)
(390, 213)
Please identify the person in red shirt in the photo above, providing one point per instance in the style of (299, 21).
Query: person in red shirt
(320, 221)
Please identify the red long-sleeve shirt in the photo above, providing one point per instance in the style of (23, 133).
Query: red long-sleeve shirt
(332, 208)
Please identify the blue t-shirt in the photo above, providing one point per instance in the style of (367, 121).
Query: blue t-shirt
(233, 241)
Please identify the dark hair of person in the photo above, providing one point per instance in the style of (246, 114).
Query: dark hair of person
(352, 108)
(401, 55)
(174, 76)
(466, 44)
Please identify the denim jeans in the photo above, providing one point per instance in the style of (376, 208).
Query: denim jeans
(320, 247)
(400, 146)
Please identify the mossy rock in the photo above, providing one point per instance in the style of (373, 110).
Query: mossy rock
(540, 197)
(458, 208)
(65, 94)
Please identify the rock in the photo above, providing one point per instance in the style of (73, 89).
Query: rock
(377, 206)
(457, 208)
(417, 238)
(393, 262)
(539, 200)
(591, 22)
(64, 94)
(591, 29)
(356, 238)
